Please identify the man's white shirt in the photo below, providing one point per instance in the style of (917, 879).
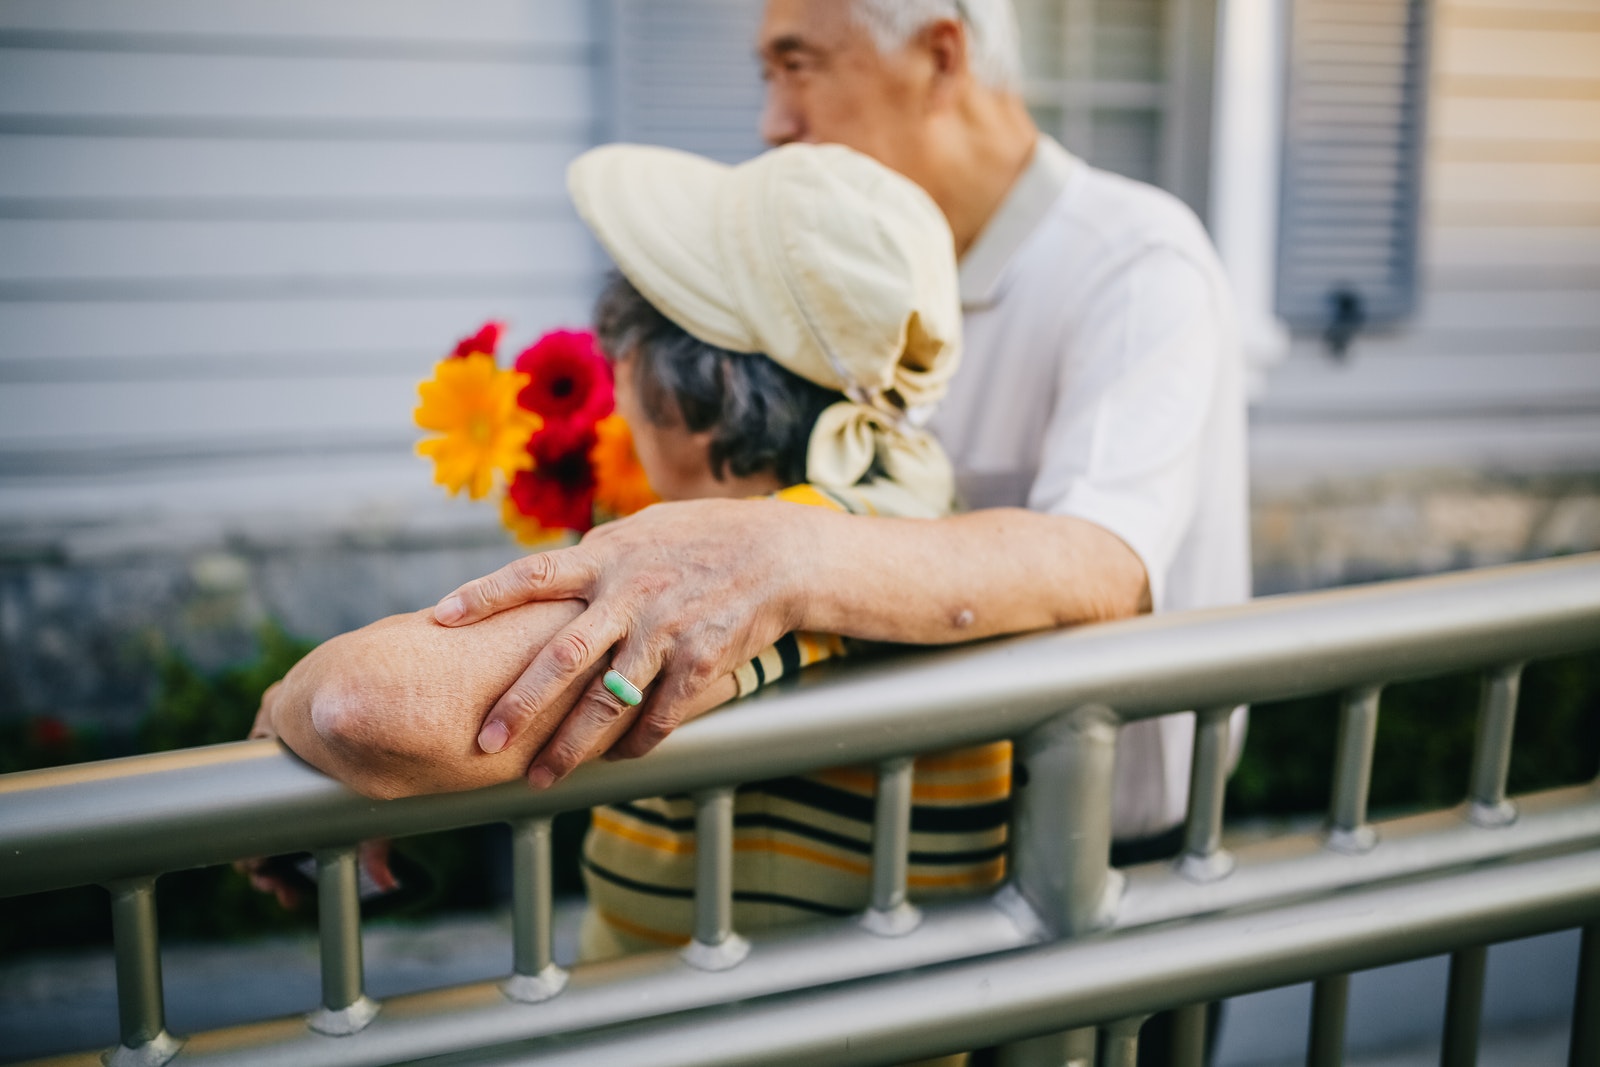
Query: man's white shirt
(1103, 378)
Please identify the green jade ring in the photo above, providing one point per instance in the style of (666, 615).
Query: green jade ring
(622, 689)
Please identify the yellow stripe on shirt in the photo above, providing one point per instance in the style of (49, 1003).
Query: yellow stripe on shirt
(802, 845)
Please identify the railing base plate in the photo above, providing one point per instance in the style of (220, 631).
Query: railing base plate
(344, 1021)
(153, 1053)
(534, 988)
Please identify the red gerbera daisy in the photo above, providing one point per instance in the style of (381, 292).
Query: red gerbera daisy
(561, 443)
(486, 340)
(569, 380)
(559, 495)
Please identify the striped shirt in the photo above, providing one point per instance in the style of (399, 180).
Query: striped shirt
(802, 845)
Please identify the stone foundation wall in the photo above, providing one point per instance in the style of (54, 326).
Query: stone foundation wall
(1345, 532)
(81, 640)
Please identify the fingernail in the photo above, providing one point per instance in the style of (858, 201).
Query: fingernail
(449, 610)
(541, 778)
(494, 737)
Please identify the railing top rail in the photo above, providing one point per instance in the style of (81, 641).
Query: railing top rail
(124, 818)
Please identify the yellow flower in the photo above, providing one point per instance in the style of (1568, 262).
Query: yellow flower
(473, 404)
(621, 486)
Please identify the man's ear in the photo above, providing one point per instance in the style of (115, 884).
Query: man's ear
(945, 41)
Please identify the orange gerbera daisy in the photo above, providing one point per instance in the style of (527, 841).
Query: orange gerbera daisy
(622, 487)
(473, 404)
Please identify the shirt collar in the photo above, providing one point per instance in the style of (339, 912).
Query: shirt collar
(1025, 206)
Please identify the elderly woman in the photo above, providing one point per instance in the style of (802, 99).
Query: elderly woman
(778, 328)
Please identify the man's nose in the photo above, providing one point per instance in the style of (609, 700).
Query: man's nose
(780, 123)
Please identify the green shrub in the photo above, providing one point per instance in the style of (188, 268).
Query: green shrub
(1424, 744)
(193, 707)
(46, 741)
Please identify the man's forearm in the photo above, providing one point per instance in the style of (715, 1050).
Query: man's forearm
(996, 571)
(691, 590)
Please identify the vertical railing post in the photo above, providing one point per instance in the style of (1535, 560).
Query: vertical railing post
(716, 946)
(1204, 859)
(1122, 1042)
(891, 914)
(1348, 829)
(346, 1009)
(1330, 997)
(1584, 1050)
(535, 975)
(140, 1004)
(1190, 1024)
(1463, 1012)
(1491, 757)
(1061, 849)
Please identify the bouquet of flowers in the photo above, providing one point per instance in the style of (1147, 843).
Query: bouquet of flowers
(543, 432)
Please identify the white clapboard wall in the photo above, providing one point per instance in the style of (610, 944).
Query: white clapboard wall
(234, 234)
(1499, 366)
(684, 74)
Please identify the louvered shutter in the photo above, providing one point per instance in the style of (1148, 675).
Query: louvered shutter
(685, 75)
(1352, 165)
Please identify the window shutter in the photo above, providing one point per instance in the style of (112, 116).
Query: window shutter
(1352, 166)
(685, 76)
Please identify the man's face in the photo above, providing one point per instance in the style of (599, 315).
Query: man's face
(827, 83)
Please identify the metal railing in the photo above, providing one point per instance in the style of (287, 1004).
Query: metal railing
(1067, 946)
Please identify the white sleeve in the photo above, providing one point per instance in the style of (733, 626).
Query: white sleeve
(1133, 392)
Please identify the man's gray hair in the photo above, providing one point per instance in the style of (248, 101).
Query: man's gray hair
(995, 51)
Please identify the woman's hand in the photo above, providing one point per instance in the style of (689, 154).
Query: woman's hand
(678, 597)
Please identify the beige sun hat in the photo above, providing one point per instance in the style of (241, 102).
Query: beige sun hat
(816, 256)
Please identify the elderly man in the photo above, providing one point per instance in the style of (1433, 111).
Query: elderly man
(1097, 425)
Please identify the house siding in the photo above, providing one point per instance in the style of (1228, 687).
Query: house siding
(1499, 370)
(234, 236)
(1470, 434)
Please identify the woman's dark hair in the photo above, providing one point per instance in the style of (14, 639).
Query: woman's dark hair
(760, 415)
